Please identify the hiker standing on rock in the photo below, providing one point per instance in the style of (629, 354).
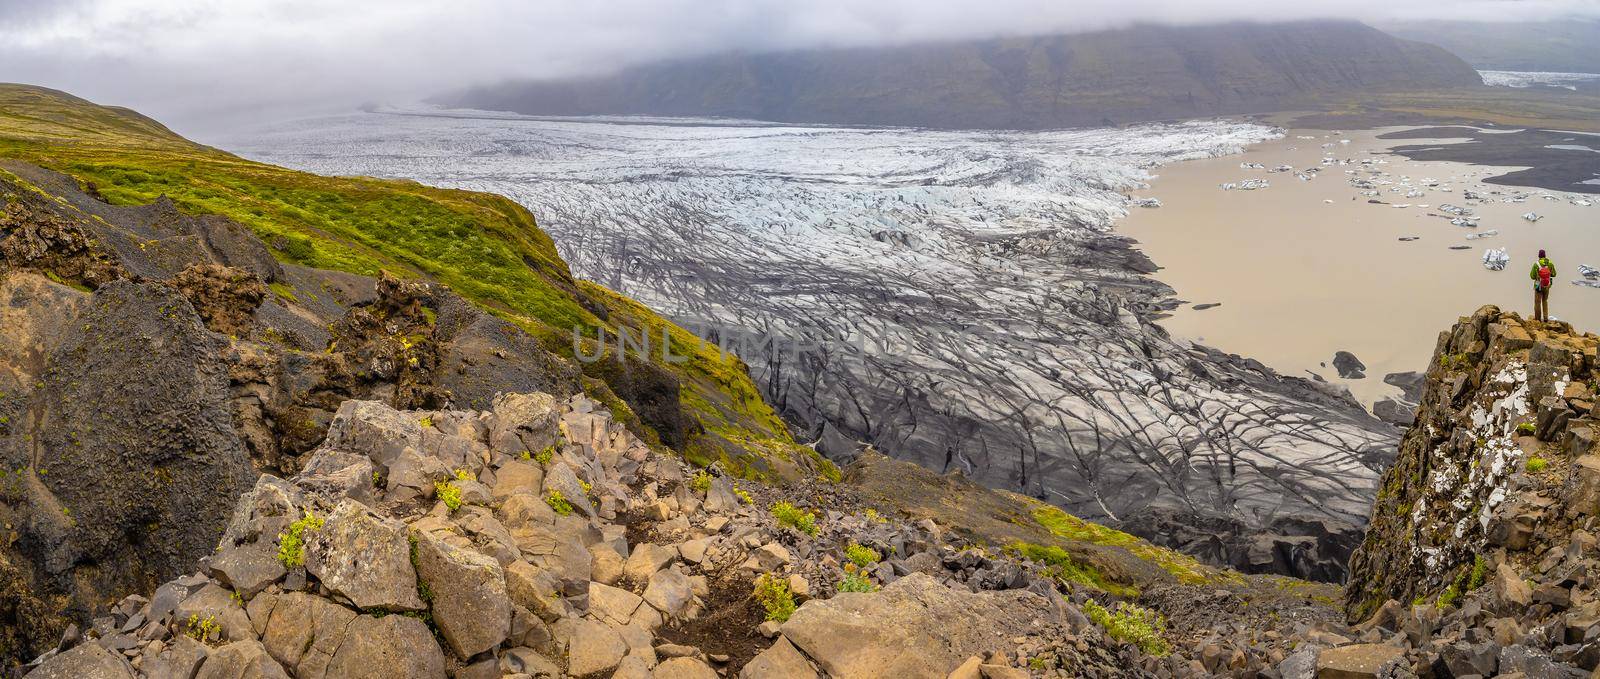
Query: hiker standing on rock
(1543, 274)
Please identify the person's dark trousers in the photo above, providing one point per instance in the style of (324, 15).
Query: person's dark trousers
(1541, 304)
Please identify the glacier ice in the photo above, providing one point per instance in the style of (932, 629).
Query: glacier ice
(1024, 347)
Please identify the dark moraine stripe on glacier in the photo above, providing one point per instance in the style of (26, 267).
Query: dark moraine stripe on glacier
(1009, 334)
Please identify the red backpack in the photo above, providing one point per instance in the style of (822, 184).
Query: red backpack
(1544, 275)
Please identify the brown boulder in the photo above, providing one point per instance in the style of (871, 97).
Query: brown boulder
(1358, 661)
(470, 604)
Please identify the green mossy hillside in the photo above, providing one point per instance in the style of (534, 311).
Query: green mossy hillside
(487, 248)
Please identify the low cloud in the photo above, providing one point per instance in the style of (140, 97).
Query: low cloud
(205, 65)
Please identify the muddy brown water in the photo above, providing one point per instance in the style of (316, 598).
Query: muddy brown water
(1299, 278)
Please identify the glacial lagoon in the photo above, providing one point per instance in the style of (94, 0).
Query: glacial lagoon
(1304, 268)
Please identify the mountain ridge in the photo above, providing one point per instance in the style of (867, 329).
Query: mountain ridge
(1146, 72)
(1570, 46)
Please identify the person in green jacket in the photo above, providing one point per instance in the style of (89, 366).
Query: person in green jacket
(1543, 274)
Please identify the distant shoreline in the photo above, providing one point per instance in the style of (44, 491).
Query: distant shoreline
(1548, 167)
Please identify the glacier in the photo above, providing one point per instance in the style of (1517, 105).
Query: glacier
(955, 298)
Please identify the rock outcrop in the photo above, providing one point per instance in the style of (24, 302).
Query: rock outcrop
(331, 574)
(1480, 554)
(484, 567)
(152, 362)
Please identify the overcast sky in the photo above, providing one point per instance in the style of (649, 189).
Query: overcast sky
(201, 65)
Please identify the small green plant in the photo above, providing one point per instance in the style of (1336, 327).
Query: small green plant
(855, 580)
(375, 478)
(449, 493)
(1479, 573)
(558, 502)
(283, 290)
(463, 475)
(774, 595)
(1537, 464)
(544, 457)
(237, 597)
(861, 557)
(587, 489)
(1526, 428)
(526, 455)
(1448, 597)
(875, 517)
(744, 496)
(1467, 580)
(1133, 624)
(201, 629)
(794, 517)
(426, 421)
(292, 541)
(701, 482)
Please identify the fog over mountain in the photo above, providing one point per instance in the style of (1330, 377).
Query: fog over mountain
(1140, 73)
(1560, 46)
(205, 66)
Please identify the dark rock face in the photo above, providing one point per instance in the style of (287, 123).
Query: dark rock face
(1411, 384)
(115, 420)
(1500, 461)
(1139, 73)
(132, 440)
(1308, 547)
(1402, 411)
(1398, 413)
(1349, 367)
(650, 390)
(481, 356)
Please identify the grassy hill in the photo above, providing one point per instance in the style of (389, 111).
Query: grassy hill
(484, 246)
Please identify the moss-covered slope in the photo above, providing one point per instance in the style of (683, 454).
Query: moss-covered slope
(484, 246)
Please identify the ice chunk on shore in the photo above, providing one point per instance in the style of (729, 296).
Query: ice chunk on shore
(1496, 260)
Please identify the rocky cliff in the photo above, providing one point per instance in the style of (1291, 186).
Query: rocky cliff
(1480, 556)
(540, 538)
(1145, 72)
(153, 361)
